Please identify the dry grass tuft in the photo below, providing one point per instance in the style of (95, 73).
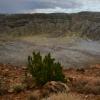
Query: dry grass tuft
(63, 96)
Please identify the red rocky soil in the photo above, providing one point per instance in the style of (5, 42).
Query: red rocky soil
(83, 82)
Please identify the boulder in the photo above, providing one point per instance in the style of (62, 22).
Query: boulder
(49, 88)
(55, 87)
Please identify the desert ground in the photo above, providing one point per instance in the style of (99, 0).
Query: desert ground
(80, 59)
(84, 84)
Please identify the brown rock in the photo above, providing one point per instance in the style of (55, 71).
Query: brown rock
(55, 87)
(49, 88)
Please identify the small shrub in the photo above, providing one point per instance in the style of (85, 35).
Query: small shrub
(44, 69)
(18, 88)
(28, 82)
(31, 97)
(3, 87)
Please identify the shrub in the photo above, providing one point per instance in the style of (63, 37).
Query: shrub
(44, 69)
(3, 86)
(18, 88)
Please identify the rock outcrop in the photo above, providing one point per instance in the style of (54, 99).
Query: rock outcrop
(49, 88)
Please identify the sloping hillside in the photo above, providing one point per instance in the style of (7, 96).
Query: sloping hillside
(84, 24)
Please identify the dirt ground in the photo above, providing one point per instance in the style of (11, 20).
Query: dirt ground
(83, 82)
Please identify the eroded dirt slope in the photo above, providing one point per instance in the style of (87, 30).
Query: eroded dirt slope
(70, 52)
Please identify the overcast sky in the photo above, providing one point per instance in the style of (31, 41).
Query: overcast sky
(48, 6)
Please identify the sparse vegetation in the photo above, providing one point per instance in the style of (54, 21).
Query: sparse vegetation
(63, 96)
(3, 87)
(44, 69)
(31, 97)
(82, 86)
(18, 88)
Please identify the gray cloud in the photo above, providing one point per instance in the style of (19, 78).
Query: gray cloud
(20, 6)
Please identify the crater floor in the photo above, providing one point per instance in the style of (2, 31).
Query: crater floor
(70, 51)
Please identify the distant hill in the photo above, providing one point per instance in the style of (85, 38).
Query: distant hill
(83, 24)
